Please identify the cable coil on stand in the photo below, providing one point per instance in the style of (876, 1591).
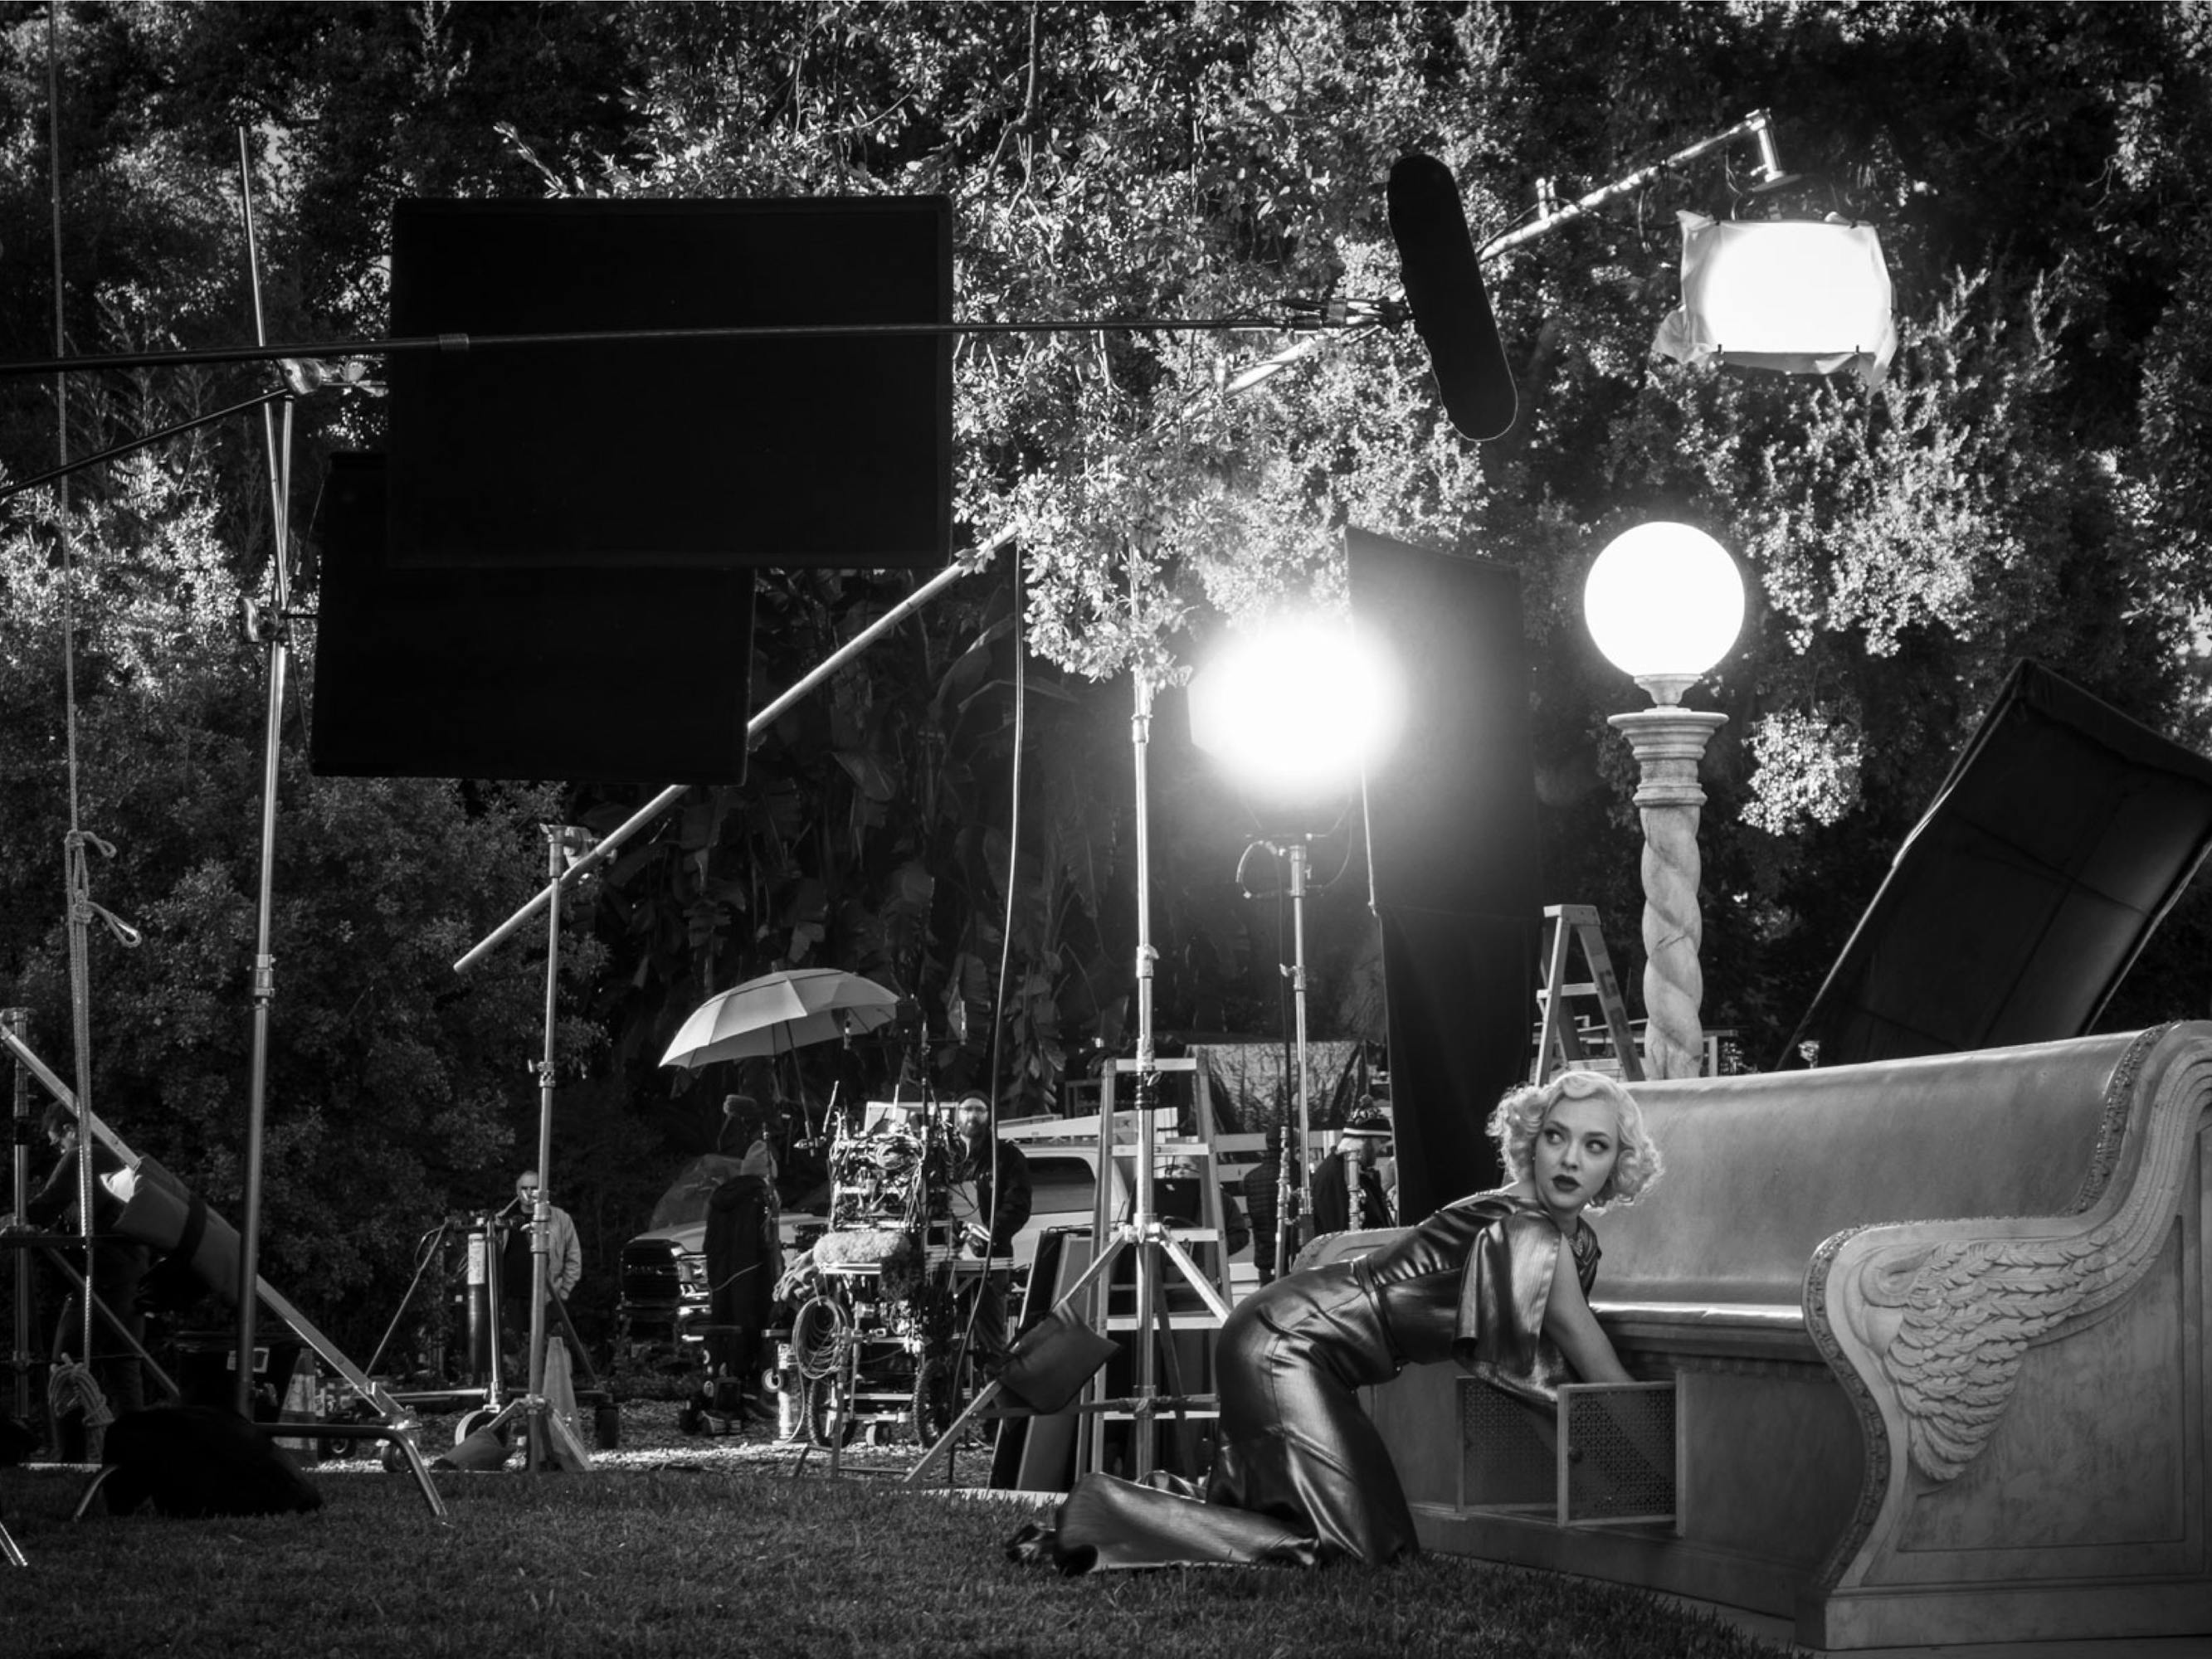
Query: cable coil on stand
(821, 1332)
(821, 1343)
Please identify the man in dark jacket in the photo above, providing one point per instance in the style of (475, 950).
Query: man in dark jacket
(1000, 1175)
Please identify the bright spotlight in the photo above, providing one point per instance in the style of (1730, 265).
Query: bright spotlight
(1295, 709)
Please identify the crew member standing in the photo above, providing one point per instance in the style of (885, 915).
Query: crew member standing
(1348, 1170)
(564, 1268)
(1000, 1175)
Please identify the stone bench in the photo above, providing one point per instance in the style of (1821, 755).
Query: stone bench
(1939, 1334)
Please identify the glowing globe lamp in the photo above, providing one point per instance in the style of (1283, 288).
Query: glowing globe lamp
(1664, 602)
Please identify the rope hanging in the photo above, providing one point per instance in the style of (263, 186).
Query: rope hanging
(70, 1389)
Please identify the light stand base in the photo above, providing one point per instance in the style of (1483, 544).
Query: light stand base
(547, 1428)
(1147, 1232)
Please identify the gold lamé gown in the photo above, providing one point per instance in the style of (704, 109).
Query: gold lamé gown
(1301, 1476)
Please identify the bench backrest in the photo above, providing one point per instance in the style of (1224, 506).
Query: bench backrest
(1759, 1169)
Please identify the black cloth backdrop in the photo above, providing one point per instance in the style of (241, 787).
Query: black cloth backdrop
(2064, 834)
(1453, 857)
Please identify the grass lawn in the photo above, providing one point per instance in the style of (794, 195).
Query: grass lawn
(673, 1562)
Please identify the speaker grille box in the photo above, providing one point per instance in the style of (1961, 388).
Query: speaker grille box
(799, 452)
(571, 674)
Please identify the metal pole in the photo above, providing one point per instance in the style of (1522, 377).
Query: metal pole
(1757, 123)
(1141, 729)
(447, 344)
(758, 724)
(78, 466)
(16, 1022)
(541, 1215)
(1298, 1002)
(272, 749)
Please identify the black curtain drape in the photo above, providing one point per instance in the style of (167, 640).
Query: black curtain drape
(1453, 854)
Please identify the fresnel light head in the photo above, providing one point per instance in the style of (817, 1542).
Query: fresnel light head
(1294, 709)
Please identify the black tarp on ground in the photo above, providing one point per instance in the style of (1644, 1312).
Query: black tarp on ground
(2064, 834)
(1452, 848)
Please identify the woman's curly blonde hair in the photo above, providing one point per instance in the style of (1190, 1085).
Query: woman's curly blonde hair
(1522, 1112)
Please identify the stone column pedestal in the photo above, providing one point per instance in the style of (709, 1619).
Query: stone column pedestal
(1669, 742)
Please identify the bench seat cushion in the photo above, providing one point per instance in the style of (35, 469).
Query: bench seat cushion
(1761, 1169)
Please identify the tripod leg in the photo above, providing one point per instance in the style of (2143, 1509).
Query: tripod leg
(1195, 1274)
(9, 1549)
(989, 1392)
(1163, 1333)
(420, 1470)
(561, 1440)
(577, 1356)
(841, 1403)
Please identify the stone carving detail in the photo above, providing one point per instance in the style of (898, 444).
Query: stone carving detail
(1959, 1314)
(2105, 1159)
(1871, 1427)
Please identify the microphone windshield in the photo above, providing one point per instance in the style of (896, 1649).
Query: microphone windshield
(1443, 289)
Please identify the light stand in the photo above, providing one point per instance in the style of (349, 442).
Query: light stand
(1142, 1231)
(1294, 710)
(12, 1021)
(15, 1023)
(541, 1209)
(1293, 1180)
(271, 629)
(1298, 850)
(547, 1429)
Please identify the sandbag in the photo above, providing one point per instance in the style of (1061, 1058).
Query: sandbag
(163, 1213)
(197, 1459)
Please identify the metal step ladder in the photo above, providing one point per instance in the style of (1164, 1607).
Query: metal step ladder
(1558, 1041)
(1114, 1309)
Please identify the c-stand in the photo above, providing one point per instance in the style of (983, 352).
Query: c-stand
(1143, 1230)
(549, 1433)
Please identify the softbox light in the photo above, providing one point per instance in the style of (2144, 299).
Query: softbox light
(1799, 296)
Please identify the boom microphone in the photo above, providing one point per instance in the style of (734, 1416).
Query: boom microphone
(1443, 289)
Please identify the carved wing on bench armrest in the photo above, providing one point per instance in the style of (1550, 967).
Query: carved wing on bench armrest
(1969, 1312)
(1952, 1307)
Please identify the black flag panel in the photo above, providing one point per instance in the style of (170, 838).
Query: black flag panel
(806, 451)
(571, 674)
(2064, 834)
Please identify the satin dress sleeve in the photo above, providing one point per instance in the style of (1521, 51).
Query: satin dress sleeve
(1502, 1295)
